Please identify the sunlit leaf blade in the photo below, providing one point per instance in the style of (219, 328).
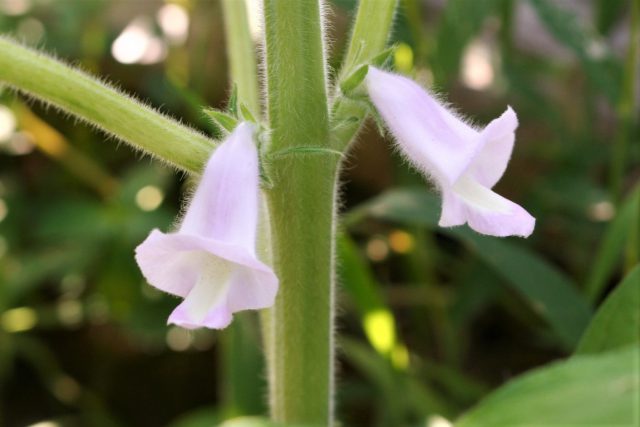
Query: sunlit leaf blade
(613, 243)
(595, 390)
(617, 322)
(378, 321)
(549, 292)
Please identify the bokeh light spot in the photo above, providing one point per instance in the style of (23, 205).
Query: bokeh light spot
(179, 339)
(401, 242)
(602, 211)
(403, 58)
(477, 69)
(137, 44)
(45, 424)
(19, 319)
(377, 249)
(4, 210)
(149, 198)
(380, 328)
(7, 123)
(69, 312)
(15, 7)
(31, 30)
(174, 21)
(438, 421)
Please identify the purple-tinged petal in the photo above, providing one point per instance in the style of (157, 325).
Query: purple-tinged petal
(225, 204)
(498, 139)
(434, 139)
(463, 162)
(485, 211)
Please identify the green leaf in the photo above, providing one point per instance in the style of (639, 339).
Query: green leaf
(595, 390)
(617, 322)
(349, 84)
(461, 21)
(548, 291)
(564, 27)
(613, 243)
(224, 121)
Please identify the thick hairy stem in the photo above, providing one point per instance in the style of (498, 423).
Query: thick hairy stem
(301, 205)
(81, 95)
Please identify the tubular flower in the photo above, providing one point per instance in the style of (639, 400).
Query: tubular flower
(465, 163)
(211, 260)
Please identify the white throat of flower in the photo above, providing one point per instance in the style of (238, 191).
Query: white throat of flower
(479, 196)
(210, 289)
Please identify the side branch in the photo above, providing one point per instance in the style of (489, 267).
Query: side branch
(104, 107)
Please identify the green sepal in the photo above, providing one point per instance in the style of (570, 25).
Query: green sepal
(226, 122)
(349, 84)
(377, 119)
(232, 108)
(246, 114)
(383, 57)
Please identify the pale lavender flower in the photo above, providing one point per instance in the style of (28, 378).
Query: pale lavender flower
(211, 260)
(465, 163)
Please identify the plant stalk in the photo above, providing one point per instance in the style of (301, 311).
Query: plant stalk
(302, 203)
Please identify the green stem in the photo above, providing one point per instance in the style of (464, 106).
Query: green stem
(241, 54)
(627, 108)
(370, 32)
(108, 109)
(369, 38)
(301, 204)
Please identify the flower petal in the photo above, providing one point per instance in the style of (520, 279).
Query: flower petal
(434, 139)
(225, 204)
(485, 211)
(498, 139)
(173, 262)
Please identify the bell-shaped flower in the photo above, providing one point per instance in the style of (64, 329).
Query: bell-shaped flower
(464, 162)
(211, 260)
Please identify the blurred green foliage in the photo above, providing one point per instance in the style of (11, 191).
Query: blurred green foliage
(432, 319)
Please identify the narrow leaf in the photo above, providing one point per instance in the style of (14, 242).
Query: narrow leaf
(617, 322)
(549, 292)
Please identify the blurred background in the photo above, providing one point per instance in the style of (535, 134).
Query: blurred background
(431, 320)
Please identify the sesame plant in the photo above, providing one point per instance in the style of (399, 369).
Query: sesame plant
(261, 230)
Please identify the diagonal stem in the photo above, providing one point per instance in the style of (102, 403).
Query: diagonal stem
(104, 107)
